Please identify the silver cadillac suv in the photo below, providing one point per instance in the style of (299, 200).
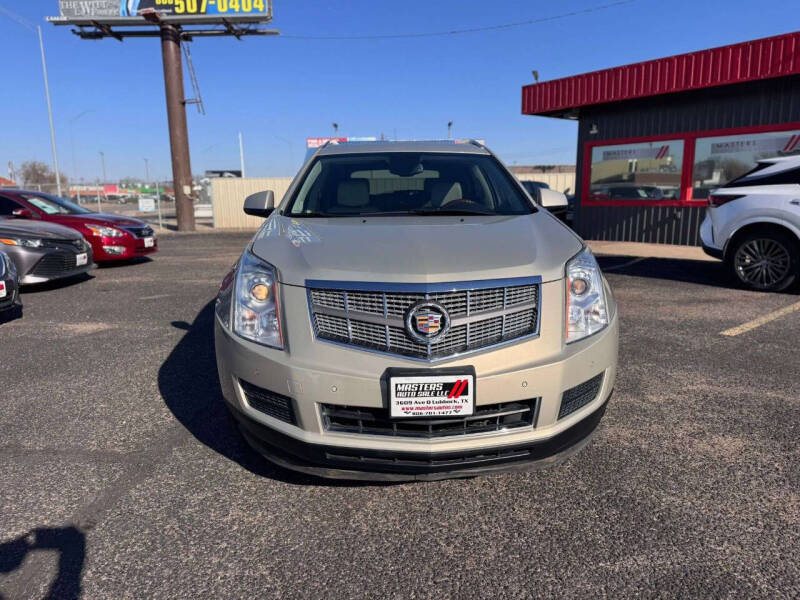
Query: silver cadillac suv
(407, 312)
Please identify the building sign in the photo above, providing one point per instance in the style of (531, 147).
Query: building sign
(656, 152)
(772, 145)
(131, 8)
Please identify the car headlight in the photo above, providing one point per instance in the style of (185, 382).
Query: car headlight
(103, 231)
(256, 307)
(587, 309)
(27, 242)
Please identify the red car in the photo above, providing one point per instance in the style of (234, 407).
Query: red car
(112, 237)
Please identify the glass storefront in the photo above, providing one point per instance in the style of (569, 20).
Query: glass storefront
(718, 160)
(649, 171)
(680, 170)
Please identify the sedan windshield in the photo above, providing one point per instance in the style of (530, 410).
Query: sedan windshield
(391, 184)
(53, 205)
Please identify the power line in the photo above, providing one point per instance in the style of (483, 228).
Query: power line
(395, 36)
(18, 18)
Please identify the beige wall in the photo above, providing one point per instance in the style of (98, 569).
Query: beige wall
(557, 181)
(228, 194)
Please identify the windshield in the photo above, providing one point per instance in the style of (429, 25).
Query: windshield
(395, 183)
(53, 205)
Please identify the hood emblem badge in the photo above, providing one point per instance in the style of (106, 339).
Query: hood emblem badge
(427, 322)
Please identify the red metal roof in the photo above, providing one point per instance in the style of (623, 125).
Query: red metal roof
(748, 61)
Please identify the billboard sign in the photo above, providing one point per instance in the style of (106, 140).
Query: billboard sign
(101, 9)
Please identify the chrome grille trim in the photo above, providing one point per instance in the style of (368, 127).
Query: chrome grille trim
(370, 316)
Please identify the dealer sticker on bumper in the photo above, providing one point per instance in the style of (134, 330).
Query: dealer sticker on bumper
(81, 259)
(149, 242)
(3, 291)
(432, 396)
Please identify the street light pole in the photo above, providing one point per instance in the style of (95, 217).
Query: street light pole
(449, 130)
(158, 195)
(241, 154)
(49, 110)
(72, 145)
(103, 159)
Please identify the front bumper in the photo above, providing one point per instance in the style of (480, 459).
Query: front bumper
(315, 372)
(40, 265)
(108, 249)
(11, 297)
(334, 462)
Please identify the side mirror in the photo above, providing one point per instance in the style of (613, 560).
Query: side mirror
(260, 204)
(552, 200)
(22, 213)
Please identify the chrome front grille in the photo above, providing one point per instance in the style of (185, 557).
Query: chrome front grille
(482, 314)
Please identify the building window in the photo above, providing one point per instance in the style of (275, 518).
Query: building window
(643, 172)
(718, 160)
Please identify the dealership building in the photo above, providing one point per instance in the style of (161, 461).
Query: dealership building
(655, 137)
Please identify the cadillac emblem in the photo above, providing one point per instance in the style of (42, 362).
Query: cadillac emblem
(427, 322)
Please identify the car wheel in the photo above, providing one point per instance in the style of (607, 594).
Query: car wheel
(765, 261)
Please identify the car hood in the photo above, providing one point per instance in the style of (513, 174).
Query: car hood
(40, 229)
(103, 219)
(416, 249)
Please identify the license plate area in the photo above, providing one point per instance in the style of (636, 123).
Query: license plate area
(81, 259)
(3, 291)
(149, 242)
(442, 393)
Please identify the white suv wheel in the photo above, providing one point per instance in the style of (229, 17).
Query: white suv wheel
(765, 261)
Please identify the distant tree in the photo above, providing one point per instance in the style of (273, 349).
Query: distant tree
(38, 173)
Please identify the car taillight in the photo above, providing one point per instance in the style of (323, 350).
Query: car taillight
(720, 199)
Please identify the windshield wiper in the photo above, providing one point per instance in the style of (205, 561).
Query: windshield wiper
(319, 215)
(458, 212)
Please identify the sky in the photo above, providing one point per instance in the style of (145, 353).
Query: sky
(109, 96)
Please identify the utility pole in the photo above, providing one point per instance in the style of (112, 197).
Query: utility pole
(178, 129)
(49, 110)
(173, 23)
(241, 154)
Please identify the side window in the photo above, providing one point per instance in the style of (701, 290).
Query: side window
(784, 177)
(8, 206)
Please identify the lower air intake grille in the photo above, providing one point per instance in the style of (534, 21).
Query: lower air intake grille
(376, 421)
(579, 396)
(55, 264)
(269, 403)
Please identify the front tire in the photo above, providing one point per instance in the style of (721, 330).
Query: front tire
(766, 262)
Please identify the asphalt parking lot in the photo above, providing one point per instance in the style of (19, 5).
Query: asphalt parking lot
(122, 477)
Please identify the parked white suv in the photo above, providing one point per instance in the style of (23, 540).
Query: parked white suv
(753, 224)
